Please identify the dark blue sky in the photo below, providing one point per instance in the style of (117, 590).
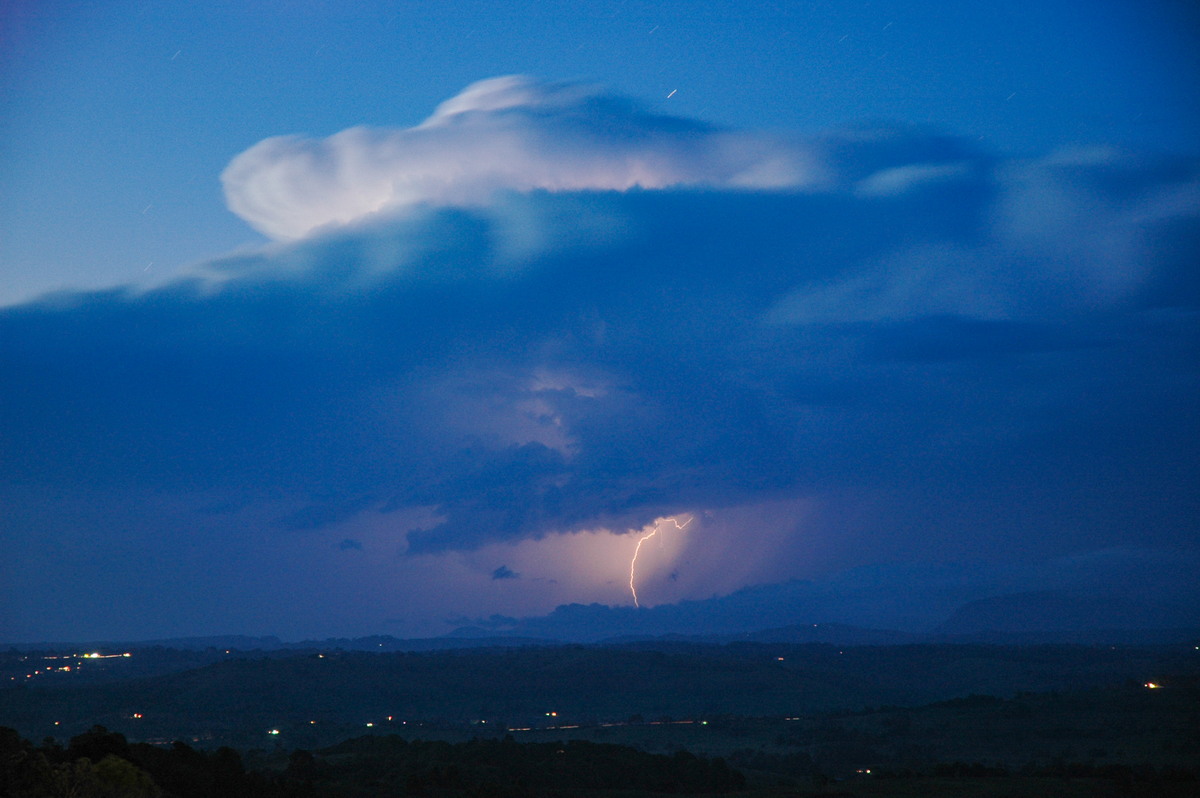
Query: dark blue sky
(354, 334)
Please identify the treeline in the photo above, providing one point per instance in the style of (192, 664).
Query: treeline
(103, 764)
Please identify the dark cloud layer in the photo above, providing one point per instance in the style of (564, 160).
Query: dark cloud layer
(1003, 355)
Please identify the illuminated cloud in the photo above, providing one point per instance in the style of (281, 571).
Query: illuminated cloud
(941, 353)
(502, 134)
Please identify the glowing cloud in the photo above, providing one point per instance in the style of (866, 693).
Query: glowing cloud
(502, 134)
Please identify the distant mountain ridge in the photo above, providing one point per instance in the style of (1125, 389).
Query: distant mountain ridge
(786, 612)
(799, 611)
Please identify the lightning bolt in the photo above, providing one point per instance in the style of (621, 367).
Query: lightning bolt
(637, 550)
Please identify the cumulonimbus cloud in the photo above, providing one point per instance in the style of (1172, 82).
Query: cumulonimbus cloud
(507, 133)
(930, 311)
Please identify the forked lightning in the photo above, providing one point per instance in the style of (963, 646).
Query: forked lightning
(637, 550)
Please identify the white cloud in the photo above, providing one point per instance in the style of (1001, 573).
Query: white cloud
(502, 134)
(897, 180)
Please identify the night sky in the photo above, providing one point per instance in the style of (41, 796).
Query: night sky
(321, 319)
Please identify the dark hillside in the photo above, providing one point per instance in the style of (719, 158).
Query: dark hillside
(319, 698)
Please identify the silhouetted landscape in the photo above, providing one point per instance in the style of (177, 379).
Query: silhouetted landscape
(384, 716)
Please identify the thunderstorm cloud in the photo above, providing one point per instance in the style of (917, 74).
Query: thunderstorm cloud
(547, 310)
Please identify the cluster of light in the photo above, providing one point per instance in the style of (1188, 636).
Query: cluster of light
(68, 668)
(637, 550)
(1153, 685)
(273, 731)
